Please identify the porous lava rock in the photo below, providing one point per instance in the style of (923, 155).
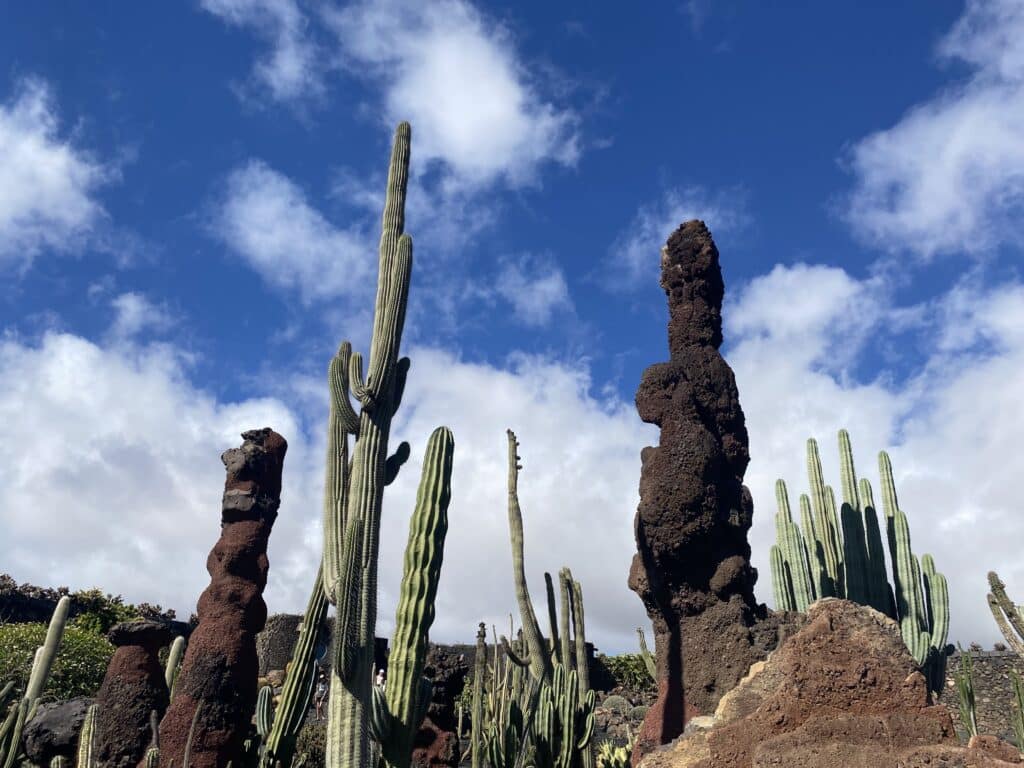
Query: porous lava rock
(434, 746)
(692, 568)
(843, 691)
(132, 688)
(220, 668)
(53, 731)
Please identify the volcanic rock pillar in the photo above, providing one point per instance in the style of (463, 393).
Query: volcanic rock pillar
(692, 567)
(218, 674)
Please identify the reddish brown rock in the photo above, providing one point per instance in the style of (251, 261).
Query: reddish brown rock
(841, 692)
(692, 567)
(132, 688)
(220, 667)
(434, 747)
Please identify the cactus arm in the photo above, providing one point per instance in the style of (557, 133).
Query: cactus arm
(423, 557)
(44, 660)
(511, 655)
(264, 711)
(566, 607)
(394, 462)
(1008, 616)
(342, 421)
(579, 636)
(878, 580)
(540, 661)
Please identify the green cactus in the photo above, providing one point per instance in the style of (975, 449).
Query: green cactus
(476, 723)
(1008, 616)
(1018, 709)
(539, 655)
(264, 711)
(564, 723)
(647, 656)
(297, 692)
(847, 560)
(354, 492)
(87, 738)
(173, 665)
(964, 677)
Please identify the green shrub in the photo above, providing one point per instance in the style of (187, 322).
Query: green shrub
(629, 671)
(312, 742)
(616, 704)
(79, 667)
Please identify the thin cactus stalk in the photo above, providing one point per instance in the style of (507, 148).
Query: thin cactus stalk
(264, 711)
(540, 660)
(646, 655)
(476, 722)
(565, 594)
(878, 581)
(48, 651)
(406, 697)
(1017, 717)
(965, 690)
(555, 644)
(793, 551)
(582, 667)
(87, 738)
(173, 665)
(825, 524)
(1008, 616)
(297, 692)
(855, 553)
(782, 586)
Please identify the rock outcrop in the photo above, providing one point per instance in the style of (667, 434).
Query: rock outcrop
(841, 692)
(220, 667)
(53, 732)
(132, 688)
(692, 568)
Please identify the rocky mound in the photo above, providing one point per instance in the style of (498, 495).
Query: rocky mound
(842, 691)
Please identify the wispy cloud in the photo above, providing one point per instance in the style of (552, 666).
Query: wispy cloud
(293, 69)
(949, 176)
(134, 312)
(266, 219)
(48, 195)
(536, 289)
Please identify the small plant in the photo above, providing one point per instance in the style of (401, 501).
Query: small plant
(616, 704)
(964, 677)
(611, 756)
(629, 671)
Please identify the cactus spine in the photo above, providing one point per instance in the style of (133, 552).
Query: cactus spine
(846, 559)
(1008, 616)
(352, 506)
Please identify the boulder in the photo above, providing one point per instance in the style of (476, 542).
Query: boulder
(843, 691)
(54, 730)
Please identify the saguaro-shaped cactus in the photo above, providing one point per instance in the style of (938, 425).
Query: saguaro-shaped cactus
(352, 506)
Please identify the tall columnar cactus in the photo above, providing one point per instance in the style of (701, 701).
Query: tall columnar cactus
(538, 653)
(281, 734)
(1008, 616)
(647, 656)
(842, 555)
(564, 723)
(476, 723)
(352, 507)
(173, 665)
(87, 738)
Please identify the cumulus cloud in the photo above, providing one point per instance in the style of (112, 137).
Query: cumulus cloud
(47, 199)
(949, 176)
(456, 76)
(949, 427)
(112, 479)
(265, 218)
(535, 288)
(633, 260)
(292, 68)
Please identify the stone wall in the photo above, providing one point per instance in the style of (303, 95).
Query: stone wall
(993, 691)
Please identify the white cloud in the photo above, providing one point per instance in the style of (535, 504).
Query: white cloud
(635, 256)
(949, 176)
(47, 196)
(134, 312)
(112, 479)
(535, 288)
(949, 427)
(456, 77)
(266, 219)
(292, 70)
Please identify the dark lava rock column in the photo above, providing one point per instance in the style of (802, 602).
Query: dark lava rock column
(692, 567)
(220, 668)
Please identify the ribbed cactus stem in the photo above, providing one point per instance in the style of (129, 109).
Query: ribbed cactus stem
(352, 541)
(476, 722)
(586, 749)
(51, 645)
(87, 738)
(555, 644)
(422, 571)
(540, 660)
(173, 665)
(782, 588)
(824, 523)
(565, 593)
(264, 711)
(1008, 616)
(299, 681)
(793, 551)
(855, 553)
(646, 655)
(878, 581)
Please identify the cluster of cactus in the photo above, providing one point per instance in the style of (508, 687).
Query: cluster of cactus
(611, 756)
(539, 708)
(1008, 616)
(357, 712)
(839, 553)
(22, 710)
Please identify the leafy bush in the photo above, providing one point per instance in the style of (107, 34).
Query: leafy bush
(629, 671)
(78, 670)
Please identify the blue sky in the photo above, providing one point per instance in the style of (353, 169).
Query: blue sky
(189, 205)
